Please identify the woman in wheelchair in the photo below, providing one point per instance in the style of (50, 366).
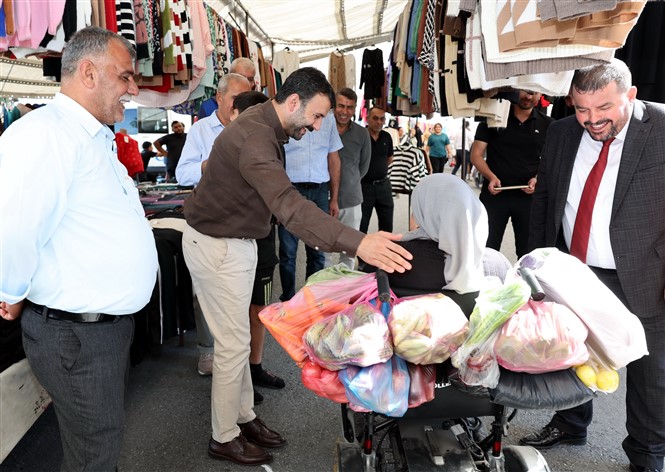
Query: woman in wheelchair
(447, 240)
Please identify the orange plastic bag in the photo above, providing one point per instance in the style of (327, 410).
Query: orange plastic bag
(288, 321)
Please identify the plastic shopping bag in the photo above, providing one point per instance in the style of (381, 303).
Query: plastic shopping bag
(542, 337)
(615, 334)
(325, 383)
(475, 359)
(426, 329)
(383, 388)
(421, 385)
(288, 321)
(357, 336)
(597, 375)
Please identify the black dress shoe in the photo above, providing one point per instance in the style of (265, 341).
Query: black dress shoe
(641, 468)
(549, 437)
(239, 451)
(257, 432)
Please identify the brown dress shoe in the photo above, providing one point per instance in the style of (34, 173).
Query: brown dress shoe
(239, 451)
(257, 432)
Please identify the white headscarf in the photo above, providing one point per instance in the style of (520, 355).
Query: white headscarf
(449, 212)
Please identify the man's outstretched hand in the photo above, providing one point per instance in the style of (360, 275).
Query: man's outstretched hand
(379, 250)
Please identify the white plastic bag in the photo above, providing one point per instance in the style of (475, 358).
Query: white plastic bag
(426, 329)
(615, 334)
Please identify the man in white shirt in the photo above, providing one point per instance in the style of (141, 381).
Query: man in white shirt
(203, 133)
(78, 255)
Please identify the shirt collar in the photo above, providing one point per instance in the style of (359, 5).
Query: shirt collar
(89, 123)
(215, 120)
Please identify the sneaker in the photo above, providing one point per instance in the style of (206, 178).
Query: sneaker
(205, 364)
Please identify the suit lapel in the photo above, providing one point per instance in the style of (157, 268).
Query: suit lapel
(636, 139)
(567, 154)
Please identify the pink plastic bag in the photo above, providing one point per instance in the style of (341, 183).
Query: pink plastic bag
(421, 387)
(542, 337)
(325, 383)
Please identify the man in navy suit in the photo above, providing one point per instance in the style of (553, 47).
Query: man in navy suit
(626, 246)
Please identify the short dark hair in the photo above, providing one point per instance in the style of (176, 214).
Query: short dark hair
(597, 77)
(348, 93)
(306, 82)
(375, 107)
(146, 144)
(248, 99)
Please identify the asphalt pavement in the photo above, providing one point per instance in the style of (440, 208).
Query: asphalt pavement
(168, 415)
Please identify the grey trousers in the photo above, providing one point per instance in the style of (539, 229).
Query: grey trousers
(83, 367)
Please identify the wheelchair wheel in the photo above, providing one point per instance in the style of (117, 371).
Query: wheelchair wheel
(524, 459)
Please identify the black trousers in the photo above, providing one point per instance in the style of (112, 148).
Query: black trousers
(645, 394)
(513, 205)
(380, 196)
(438, 164)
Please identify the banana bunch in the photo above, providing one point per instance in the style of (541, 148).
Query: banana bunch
(427, 329)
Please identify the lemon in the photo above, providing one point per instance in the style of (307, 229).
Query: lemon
(586, 374)
(607, 380)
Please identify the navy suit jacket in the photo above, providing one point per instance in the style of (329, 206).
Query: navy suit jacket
(637, 224)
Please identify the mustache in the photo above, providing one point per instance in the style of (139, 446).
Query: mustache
(597, 123)
(310, 128)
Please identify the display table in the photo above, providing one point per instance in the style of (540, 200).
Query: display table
(22, 401)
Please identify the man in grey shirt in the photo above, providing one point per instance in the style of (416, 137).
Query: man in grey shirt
(355, 157)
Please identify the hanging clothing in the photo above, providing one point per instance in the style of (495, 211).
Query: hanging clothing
(372, 73)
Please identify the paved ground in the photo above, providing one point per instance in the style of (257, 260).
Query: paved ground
(168, 424)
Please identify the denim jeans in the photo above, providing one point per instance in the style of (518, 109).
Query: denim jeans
(288, 246)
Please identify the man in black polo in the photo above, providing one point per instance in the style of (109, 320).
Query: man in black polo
(377, 192)
(513, 158)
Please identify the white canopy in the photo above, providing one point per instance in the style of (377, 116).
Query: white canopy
(314, 28)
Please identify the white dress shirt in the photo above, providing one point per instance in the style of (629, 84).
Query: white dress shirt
(198, 144)
(73, 233)
(599, 253)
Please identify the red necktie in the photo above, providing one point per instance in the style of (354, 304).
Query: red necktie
(580, 240)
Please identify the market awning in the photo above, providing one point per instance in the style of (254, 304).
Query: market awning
(314, 29)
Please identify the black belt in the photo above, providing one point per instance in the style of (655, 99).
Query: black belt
(60, 315)
(308, 185)
(600, 270)
(377, 182)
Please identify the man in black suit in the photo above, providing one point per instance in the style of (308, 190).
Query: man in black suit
(626, 247)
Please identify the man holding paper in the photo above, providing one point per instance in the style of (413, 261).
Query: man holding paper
(513, 157)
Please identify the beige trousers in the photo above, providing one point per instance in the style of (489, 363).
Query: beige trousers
(222, 271)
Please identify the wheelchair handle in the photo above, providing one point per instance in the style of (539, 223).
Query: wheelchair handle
(537, 292)
(383, 285)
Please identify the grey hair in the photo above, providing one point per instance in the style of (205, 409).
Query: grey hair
(226, 80)
(597, 77)
(89, 42)
(242, 61)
